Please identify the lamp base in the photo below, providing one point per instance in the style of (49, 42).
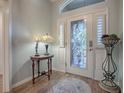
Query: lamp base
(46, 53)
(37, 55)
(46, 46)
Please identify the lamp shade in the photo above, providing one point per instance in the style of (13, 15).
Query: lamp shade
(47, 38)
(36, 38)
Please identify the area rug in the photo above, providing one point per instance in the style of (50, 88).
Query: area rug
(69, 85)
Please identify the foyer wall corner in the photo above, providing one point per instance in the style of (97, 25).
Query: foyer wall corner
(29, 17)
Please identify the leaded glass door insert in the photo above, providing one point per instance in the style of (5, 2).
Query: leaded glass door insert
(78, 44)
(79, 52)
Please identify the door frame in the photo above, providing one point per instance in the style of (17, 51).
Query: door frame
(88, 70)
(6, 45)
(84, 11)
(7, 70)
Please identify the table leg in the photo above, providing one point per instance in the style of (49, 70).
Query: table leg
(50, 65)
(33, 65)
(38, 67)
(48, 69)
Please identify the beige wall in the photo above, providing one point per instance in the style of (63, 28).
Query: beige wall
(121, 44)
(29, 17)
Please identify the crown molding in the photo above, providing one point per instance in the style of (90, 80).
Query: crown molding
(64, 4)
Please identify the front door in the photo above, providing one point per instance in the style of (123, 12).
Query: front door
(80, 46)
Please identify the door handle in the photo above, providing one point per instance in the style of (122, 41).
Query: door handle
(90, 49)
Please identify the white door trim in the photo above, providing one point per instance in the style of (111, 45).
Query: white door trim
(7, 55)
(88, 71)
(73, 14)
(7, 61)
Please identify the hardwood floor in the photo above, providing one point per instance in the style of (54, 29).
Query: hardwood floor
(1, 84)
(43, 84)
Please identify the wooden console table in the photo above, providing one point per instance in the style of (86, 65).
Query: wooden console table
(37, 59)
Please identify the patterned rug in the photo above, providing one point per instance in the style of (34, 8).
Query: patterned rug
(69, 85)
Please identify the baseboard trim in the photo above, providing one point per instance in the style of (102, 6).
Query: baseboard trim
(30, 78)
(60, 70)
(21, 82)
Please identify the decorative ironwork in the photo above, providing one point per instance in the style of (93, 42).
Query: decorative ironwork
(109, 67)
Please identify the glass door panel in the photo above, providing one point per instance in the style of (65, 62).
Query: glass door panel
(79, 54)
(78, 44)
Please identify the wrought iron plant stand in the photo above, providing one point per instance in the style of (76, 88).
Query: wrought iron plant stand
(109, 67)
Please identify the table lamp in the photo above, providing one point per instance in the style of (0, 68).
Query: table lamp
(36, 39)
(47, 39)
